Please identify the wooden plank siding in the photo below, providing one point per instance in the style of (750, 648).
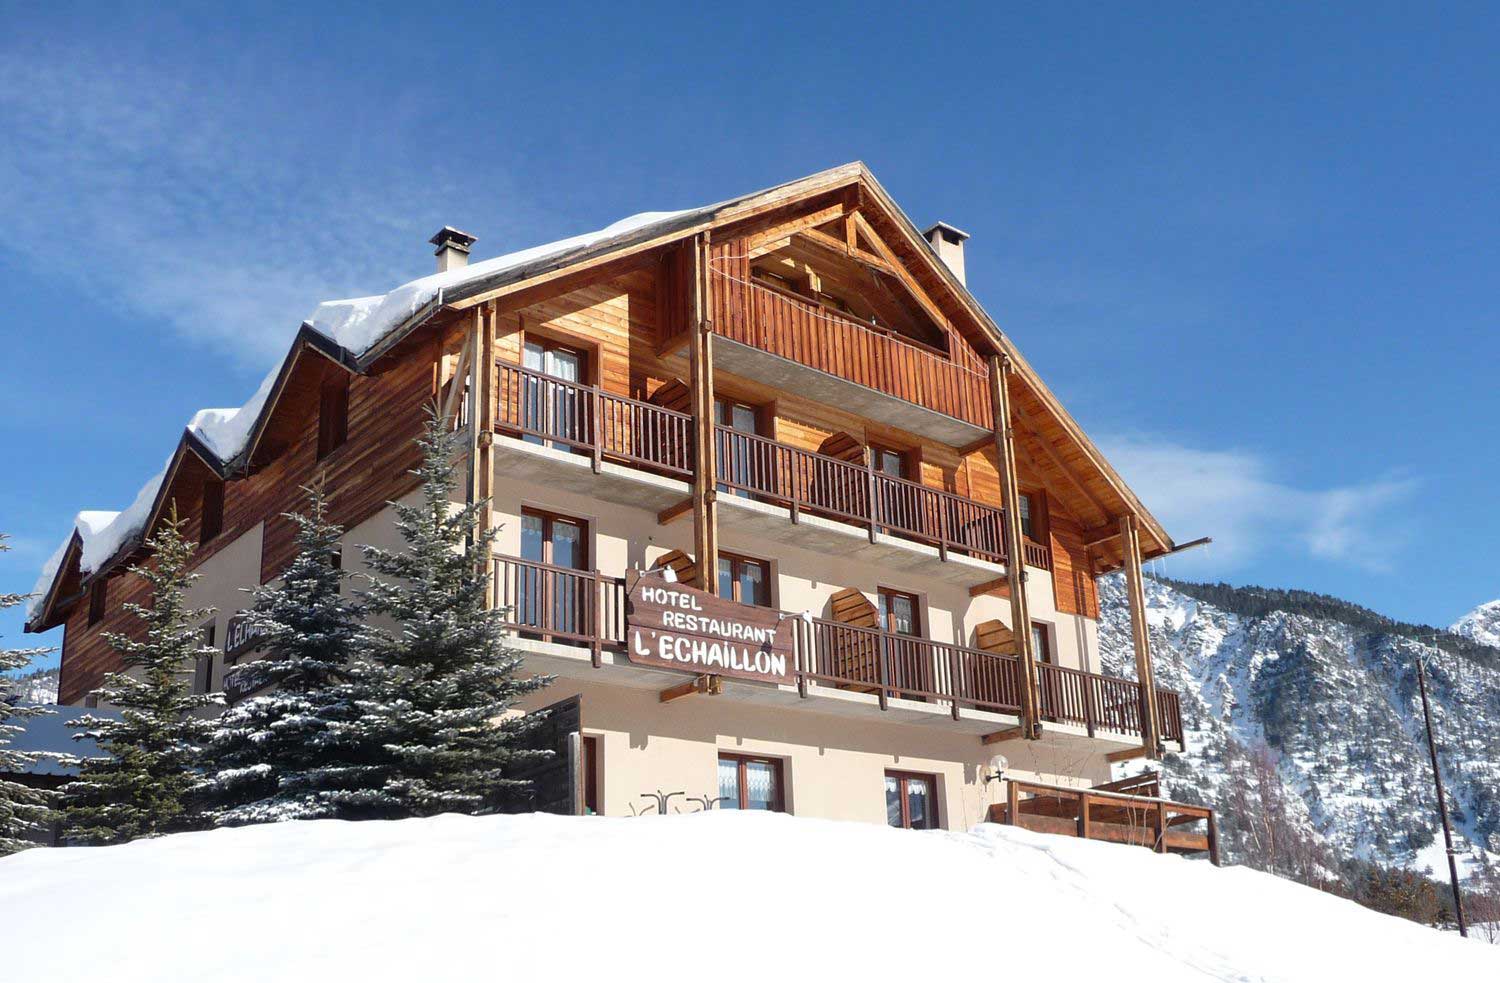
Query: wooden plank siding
(370, 469)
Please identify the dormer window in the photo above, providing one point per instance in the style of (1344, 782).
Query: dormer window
(333, 416)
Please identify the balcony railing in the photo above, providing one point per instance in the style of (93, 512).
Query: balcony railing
(585, 419)
(548, 410)
(806, 332)
(586, 608)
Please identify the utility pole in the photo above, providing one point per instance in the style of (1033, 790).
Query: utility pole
(1437, 781)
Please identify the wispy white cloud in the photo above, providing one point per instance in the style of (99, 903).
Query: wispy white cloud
(224, 214)
(1234, 496)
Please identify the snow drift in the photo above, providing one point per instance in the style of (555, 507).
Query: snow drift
(725, 895)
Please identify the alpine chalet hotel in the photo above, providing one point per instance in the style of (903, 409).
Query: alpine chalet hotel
(789, 517)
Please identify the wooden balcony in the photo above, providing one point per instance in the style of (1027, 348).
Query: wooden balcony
(1130, 811)
(587, 609)
(862, 365)
(586, 420)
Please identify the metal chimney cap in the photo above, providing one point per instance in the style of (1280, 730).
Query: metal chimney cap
(950, 232)
(449, 237)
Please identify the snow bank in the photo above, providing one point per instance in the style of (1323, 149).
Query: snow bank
(724, 895)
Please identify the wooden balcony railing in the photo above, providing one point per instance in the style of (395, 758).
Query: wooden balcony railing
(806, 332)
(546, 409)
(1104, 814)
(585, 607)
(585, 419)
(559, 604)
(802, 480)
(1103, 702)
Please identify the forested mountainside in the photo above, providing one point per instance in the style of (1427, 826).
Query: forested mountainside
(1304, 724)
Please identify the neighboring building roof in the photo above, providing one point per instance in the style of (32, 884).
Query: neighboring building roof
(49, 733)
(357, 331)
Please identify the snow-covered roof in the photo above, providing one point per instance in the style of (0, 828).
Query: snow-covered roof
(356, 326)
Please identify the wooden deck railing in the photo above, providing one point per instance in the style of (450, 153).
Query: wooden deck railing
(1103, 702)
(546, 409)
(806, 481)
(813, 335)
(559, 604)
(1104, 814)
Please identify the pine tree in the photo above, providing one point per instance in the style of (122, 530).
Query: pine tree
(140, 786)
(436, 691)
(22, 808)
(293, 753)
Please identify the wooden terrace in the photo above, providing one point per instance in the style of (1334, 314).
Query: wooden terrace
(1129, 811)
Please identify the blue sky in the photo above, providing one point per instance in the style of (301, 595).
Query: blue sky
(1254, 251)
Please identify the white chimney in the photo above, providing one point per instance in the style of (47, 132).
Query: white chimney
(948, 243)
(452, 248)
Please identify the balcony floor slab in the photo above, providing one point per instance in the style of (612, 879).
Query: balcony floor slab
(572, 472)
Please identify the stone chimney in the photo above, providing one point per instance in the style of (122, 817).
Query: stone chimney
(948, 242)
(453, 248)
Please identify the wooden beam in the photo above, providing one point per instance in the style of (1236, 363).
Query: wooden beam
(705, 476)
(483, 420)
(1129, 754)
(1140, 635)
(677, 511)
(827, 242)
(1061, 465)
(763, 242)
(1010, 503)
(989, 585)
(1008, 734)
(707, 683)
(884, 252)
(1100, 534)
(450, 404)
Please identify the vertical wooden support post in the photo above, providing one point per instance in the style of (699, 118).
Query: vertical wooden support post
(1083, 816)
(1015, 576)
(1213, 838)
(1140, 636)
(705, 472)
(1161, 827)
(1012, 804)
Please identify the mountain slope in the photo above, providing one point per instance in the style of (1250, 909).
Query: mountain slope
(1481, 624)
(549, 897)
(1330, 704)
(39, 686)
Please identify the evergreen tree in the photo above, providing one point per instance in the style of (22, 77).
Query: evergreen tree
(435, 690)
(21, 807)
(291, 753)
(140, 786)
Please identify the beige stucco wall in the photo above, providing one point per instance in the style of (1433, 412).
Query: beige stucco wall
(833, 766)
(224, 581)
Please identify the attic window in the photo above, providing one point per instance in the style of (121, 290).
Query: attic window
(98, 599)
(212, 521)
(333, 416)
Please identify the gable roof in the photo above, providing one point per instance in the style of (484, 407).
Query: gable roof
(355, 333)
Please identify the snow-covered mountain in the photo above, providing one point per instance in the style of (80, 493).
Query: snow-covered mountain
(34, 687)
(1481, 624)
(1328, 703)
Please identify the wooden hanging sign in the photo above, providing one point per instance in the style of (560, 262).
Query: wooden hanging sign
(673, 626)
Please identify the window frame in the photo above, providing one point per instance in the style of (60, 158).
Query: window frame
(1046, 653)
(919, 616)
(333, 416)
(589, 746)
(735, 561)
(203, 666)
(741, 759)
(902, 778)
(98, 601)
(549, 517)
(903, 455)
(211, 507)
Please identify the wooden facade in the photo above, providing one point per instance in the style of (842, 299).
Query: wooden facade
(824, 275)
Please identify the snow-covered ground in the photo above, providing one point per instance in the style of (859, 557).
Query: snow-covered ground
(720, 895)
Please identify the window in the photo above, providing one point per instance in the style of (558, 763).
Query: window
(910, 800)
(745, 580)
(549, 408)
(211, 521)
(900, 613)
(333, 416)
(1041, 642)
(749, 782)
(547, 596)
(203, 669)
(737, 457)
(91, 701)
(98, 600)
(887, 461)
(589, 747)
(1027, 528)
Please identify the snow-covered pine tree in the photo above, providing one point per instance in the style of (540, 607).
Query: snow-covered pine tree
(21, 807)
(141, 784)
(434, 690)
(291, 753)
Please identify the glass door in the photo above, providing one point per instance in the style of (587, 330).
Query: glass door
(550, 597)
(908, 662)
(554, 407)
(910, 800)
(737, 456)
